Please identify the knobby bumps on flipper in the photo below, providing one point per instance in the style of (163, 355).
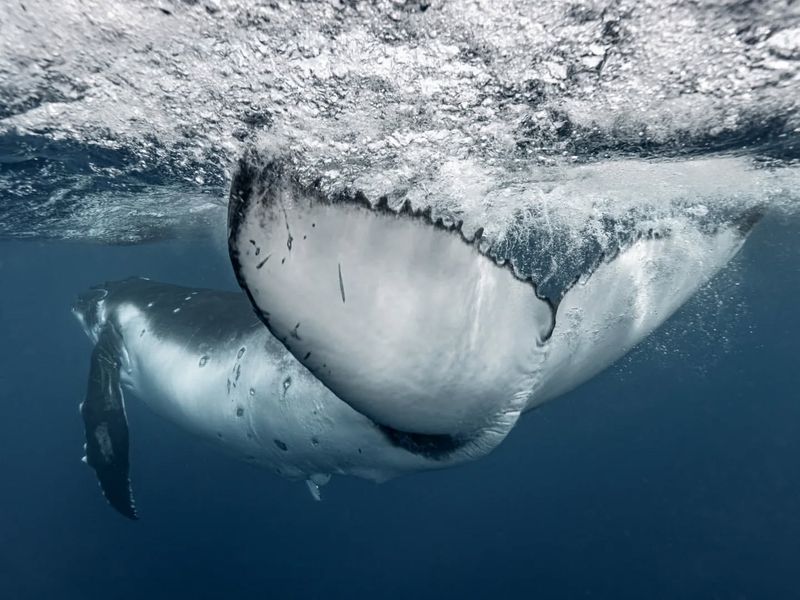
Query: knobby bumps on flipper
(106, 425)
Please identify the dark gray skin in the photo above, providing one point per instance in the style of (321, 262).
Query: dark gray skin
(227, 314)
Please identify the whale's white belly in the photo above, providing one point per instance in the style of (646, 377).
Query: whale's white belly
(261, 405)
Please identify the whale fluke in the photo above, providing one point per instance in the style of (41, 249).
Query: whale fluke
(404, 319)
(106, 425)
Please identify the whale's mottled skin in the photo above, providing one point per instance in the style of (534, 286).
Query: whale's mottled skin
(202, 359)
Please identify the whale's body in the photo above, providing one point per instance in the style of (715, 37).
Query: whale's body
(203, 360)
(370, 341)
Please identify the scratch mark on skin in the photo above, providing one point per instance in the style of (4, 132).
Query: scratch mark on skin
(294, 333)
(341, 283)
(288, 231)
(263, 262)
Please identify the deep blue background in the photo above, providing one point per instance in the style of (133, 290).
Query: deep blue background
(674, 474)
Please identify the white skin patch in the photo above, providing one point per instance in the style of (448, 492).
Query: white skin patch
(127, 313)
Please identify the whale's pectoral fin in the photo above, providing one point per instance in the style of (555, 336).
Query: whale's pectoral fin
(315, 483)
(106, 424)
(402, 317)
(625, 298)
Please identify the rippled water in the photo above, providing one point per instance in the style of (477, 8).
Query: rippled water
(564, 130)
(484, 110)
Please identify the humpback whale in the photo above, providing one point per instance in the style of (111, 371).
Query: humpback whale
(370, 341)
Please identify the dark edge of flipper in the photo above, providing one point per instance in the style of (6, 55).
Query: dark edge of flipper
(244, 179)
(258, 175)
(106, 424)
(743, 223)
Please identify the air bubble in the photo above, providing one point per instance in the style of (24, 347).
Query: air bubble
(203, 360)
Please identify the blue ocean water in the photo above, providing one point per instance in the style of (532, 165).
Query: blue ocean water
(673, 474)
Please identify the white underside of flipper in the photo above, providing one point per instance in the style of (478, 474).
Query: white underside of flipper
(607, 313)
(405, 321)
